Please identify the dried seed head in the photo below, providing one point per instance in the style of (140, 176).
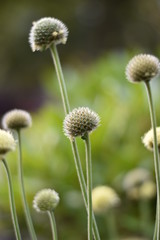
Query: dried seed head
(104, 198)
(47, 31)
(7, 142)
(80, 121)
(148, 139)
(45, 200)
(142, 67)
(16, 119)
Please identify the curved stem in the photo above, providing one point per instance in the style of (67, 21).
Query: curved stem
(66, 106)
(156, 159)
(60, 77)
(12, 203)
(24, 200)
(89, 183)
(53, 225)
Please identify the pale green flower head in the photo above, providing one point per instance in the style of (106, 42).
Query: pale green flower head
(142, 67)
(46, 200)
(47, 31)
(148, 139)
(80, 121)
(16, 119)
(104, 198)
(7, 142)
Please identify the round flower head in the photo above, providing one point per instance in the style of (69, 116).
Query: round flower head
(45, 200)
(148, 139)
(146, 190)
(80, 121)
(142, 67)
(16, 119)
(47, 31)
(104, 198)
(135, 177)
(7, 142)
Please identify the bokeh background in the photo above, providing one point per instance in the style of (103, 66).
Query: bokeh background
(103, 36)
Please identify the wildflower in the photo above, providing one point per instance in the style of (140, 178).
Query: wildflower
(135, 178)
(148, 139)
(16, 119)
(147, 190)
(104, 198)
(47, 31)
(45, 200)
(139, 185)
(142, 67)
(80, 121)
(7, 142)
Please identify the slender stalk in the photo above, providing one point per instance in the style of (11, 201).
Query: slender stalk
(60, 77)
(111, 225)
(66, 106)
(145, 216)
(83, 185)
(53, 225)
(12, 203)
(24, 200)
(156, 160)
(89, 184)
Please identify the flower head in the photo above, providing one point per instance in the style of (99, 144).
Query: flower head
(148, 139)
(104, 198)
(16, 119)
(142, 67)
(139, 185)
(7, 142)
(47, 31)
(45, 200)
(135, 177)
(80, 121)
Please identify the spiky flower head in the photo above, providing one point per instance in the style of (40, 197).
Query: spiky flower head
(80, 121)
(16, 119)
(148, 139)
(47, 31)
(7, 142)
(46, 200)
(142, 67)
(104, 198)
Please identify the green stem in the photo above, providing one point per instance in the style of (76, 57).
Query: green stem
(89, 184)
(24, 200)
(53, 225)
(12, 203)
(156, 159)
(60, 77)
(66, 106)
(145, 216)
(111, 225)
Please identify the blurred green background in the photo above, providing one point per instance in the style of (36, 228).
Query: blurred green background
(103, 36)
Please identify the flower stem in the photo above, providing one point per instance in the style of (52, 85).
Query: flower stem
(12, 203)
(89, 183)
(60, 77)
(111, 225)
(66, 106)
(156, 160)
(53, 225)
(24, 200)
